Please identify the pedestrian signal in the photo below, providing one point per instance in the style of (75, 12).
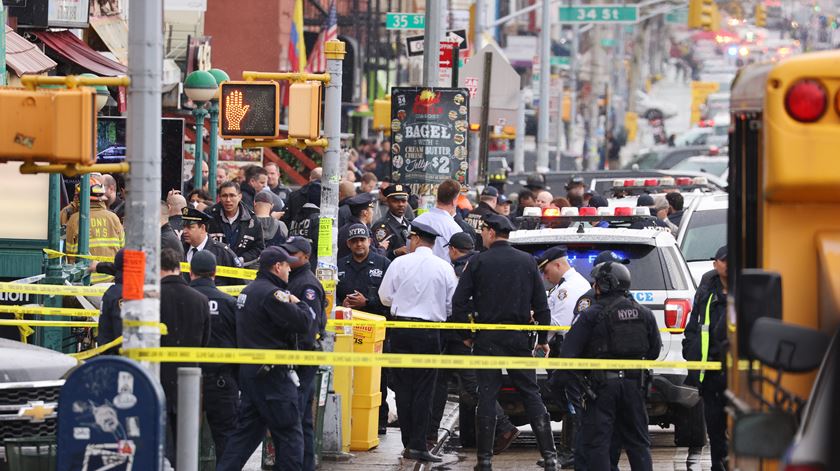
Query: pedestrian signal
(249, 109)
(56, 126)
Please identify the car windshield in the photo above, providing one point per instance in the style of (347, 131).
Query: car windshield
(706, 232)
(715, 167)
(645, 265)
(646, 161)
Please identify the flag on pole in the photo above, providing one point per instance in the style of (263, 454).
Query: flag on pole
(297, 48)
(317, 60)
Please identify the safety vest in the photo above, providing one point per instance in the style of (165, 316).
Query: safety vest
(704, 337)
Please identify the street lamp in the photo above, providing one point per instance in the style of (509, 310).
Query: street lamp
(102, 93)
(200, 86)
(220, 76)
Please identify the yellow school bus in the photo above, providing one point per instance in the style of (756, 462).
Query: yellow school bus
(783, 235)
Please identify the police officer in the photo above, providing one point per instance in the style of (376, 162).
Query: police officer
(705, 336)
(503, 285)
(110, 318)
(306, 226)
(486, 205)
(220, 388)
(197, 239)
(304, 285)
(588, 298)
(615, 327)
(232, 223)
(417, 287)
(359, 277)
(269, 317)
(393, 227)
(361, 211)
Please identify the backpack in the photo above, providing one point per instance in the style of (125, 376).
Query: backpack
(627, 330)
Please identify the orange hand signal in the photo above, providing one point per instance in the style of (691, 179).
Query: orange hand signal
(235, 111)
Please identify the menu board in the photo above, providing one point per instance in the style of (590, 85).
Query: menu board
(429, 133)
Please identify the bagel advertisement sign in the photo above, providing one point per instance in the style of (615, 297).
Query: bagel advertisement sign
(429, 134)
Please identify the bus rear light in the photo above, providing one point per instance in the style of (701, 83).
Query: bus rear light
(676, 313)
(806, 101)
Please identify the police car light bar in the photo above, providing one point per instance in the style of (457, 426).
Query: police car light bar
(532, 212)
(657, 182)
(569, 211)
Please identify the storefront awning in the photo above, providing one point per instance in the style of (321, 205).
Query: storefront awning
(113, 30)
(24, 57)
(77, 51)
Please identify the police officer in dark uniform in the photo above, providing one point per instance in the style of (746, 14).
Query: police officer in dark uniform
(269, 317)
(304, 285)
(393, 227)
(486, 205)
(110, 318)
(615, 327)
(503, 285)
(361, 211)
(220, 388)
(705, 338)
(306, 226)
(197, 239)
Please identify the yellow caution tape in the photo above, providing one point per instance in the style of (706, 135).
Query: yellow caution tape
(96, 351)
(232, 290)
(229, 272)
(395, 360)
(160, 325)
(34, 323)
(50, 311)
(455, 325)
(25, 330)
(53, 290)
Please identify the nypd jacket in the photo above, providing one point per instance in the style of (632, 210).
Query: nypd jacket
(266, 317)
(391, 229)
(244, 236)
(364, 277)
(304, 285)
(709, 294)
(222, 320)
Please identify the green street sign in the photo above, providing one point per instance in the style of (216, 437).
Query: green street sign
(607, 42)
(599, 14)
(404, 21)
(560, 60)
(677, 17)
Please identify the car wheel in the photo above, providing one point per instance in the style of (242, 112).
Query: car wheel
(689, 426)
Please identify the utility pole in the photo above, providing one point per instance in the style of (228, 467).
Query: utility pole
(545, 99)
(592, 139)
(334, 52)
(573, 86)
(479, 25)
(431, 42)
(145, 69)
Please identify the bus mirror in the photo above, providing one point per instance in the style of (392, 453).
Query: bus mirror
(763, 434)
(787, 347)
(758, 295)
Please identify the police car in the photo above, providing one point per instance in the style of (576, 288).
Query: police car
(661, 281)
(702, 232)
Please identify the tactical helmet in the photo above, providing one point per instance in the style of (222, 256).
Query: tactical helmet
(611, 277)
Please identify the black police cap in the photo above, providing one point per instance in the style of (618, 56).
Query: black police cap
(203, 262)
(423, 230)
(398, 191)
(551, 255)
(361, 200)
(498, 223)
(193, 216)
(274, 254)
(461, 241)
(297, 244)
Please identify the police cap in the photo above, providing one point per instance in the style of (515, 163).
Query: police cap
(720, 255)
(503, 199)
(461, 241)
(497, 222)
(551, 255)
(645, 200)
(423, 230)
(297, 244)
(193, 216)
(203, 263)
(398, 191)
(490, 191)
(358, 231)
(272, 255)
(360, 201)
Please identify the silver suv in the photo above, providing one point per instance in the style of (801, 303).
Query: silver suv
(661, 282)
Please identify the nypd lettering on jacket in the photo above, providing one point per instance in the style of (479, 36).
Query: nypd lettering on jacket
(628, 314)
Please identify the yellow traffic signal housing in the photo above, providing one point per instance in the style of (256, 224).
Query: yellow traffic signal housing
(305, 110)
(760, 15)
(382, 113)
(703, 14)
(56, 126)
(249, 109)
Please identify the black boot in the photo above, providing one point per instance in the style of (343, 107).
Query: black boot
(566, 454)
(485, 434)
(545, 441)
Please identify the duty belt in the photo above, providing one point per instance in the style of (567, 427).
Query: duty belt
(411, 319)
(616, 374)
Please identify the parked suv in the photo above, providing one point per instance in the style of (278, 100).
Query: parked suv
(662, 282)
(703, 231)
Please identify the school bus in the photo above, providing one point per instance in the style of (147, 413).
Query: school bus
(783, 228)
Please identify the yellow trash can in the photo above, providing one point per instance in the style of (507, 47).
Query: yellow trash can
(366, 382)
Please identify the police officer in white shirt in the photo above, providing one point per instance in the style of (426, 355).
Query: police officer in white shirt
(569, 286)
(418, 287)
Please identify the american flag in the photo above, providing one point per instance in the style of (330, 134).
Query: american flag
(317, 61)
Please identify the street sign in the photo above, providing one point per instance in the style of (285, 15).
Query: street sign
(414, 44)
(504, 86)
(677, 17)
(112, 416)
(249, 109)
(446, 61)
(599, 14)
(561, 60)
(405, 21)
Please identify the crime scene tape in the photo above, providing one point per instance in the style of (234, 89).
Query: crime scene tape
(163, 329)
(396, 360)
(53, 290)
(96, 351)
(228, 272)
(455, 325)
(49, 311)
(34, 323)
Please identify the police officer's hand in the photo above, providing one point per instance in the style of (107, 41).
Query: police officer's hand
(469, 343)
(401, 251)
(92, 267)
(385, 244)
(355, 300)
(293, 299)
(544, 348)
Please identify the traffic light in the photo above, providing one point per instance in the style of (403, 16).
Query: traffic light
(56, 126)
(382, 114)
(305, 110)
(760, 15)
(249, 109)
(703, 14)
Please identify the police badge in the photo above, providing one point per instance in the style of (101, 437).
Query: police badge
(583, 303)
(281, 296)
(380, 234)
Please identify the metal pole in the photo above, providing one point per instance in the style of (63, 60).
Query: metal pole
(332, 155)
(573, 86)
(214, 148)
(592, 138)
(52, 337)
(200, 114)
(431, 43)
(189, 421)
(484, 124)
(479, 26)
(545, 99)
(84, 216)
(519, 140)
(145, 68)
(560, 124)
(3, 45)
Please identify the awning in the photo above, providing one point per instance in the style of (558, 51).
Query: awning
(24, 57)
(113, 30)
(77, 51)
